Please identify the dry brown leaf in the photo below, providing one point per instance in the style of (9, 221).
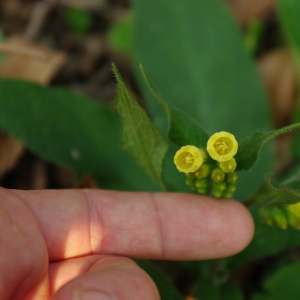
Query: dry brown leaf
(247, 10)
(26, 60)
(10, 152)
(278, 71)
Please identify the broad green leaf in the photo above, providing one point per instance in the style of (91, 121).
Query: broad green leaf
(166, 290)
(284, 284)
(183, 130)
(274, 192)
(140, 137)
(202, 68)
(249, 150)
(268, 240)
(70, 130)
(288, 11)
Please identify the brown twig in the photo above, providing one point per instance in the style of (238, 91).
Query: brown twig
(38, 17)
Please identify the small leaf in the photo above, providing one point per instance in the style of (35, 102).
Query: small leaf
(249, 150)
(166, 290)
(140, 137)
(183, 130)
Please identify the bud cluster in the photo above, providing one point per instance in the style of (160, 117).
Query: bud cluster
(281, 215)
(213, 173)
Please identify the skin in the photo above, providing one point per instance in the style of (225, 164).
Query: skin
(71, 244)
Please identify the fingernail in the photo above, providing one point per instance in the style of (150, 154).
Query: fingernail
(91, 295)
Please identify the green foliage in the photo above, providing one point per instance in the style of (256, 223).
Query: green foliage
(120, 36)
(166, 290)
(140, 137)
(284, 284)
(79, 21)
(288, 11)
(202, 69)
(70, 130)
(179, 45)
(183, 130)
(249, 149)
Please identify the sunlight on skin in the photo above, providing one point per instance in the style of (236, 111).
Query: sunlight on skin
(76, 223)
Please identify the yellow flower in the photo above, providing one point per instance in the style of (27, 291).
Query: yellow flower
(294, 209)
(189, 159)
(222, 146)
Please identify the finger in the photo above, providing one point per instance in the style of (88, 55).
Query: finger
(23, 253)
(145, 225)
(108, 276)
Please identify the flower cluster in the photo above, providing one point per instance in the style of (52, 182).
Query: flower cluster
(281, 215)
(210, 171)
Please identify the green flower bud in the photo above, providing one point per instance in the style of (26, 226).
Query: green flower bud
(228, 166)
(190, 175)
(218, 175)
(190, 181)
(221, 186)
(201, 183)
(265, 215)
(232, 177)
(202, 190)
(279, 217)
(217, 193)
(231, 188)
(203, 171)
(228, 195)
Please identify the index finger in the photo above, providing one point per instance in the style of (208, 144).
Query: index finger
(145, 225)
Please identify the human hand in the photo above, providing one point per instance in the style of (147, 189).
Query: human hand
(74, 244)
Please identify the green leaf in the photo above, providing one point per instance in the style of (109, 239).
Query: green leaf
(183, 130)
(70, 130)
(179, 45)
(284, 284)
(249, 150)
(288, 11)
(166, 290)
(140, 137)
